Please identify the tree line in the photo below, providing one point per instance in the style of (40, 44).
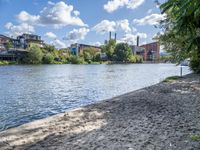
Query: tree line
(115, 53)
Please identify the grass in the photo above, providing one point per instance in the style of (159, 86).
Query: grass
(196, 137)
(7, 62)
(172, 78)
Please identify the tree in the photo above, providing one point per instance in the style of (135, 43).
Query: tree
(50, 48)
(122, 52)
(182, 30)
(48, 58)
(109, 48)
(34, 55)
(89, 54)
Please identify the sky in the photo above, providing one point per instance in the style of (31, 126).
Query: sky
(64, 22)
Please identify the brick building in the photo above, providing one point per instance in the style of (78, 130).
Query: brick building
(152, 51)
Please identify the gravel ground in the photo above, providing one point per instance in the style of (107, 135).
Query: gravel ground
(161, 117)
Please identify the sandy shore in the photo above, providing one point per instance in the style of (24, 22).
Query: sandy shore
(163, 116)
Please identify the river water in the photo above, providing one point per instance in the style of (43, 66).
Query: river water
(29, 92)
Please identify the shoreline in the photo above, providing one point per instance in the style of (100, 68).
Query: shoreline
(164, 115)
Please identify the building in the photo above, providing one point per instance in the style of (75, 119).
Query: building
(3, 40)
(77, 49)
(152, 51)
(20, 46)
(25, 41)
(12, 54)
(137, 50)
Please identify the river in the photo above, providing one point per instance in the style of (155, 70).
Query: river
(29, 92)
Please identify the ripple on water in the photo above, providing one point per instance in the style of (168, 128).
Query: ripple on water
(29, 93)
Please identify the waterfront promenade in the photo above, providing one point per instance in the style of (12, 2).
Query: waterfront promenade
(163, 116)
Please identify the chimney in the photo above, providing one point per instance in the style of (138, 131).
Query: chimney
(109, 35)
(138, 40)
(115, 36)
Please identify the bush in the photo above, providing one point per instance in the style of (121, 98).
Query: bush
(7, 62)
(98, 57)
(132, 59)
(48, 58)
(139, 59)
(76, 60)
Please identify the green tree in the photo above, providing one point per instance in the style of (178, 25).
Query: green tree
(122, 52)
(34, 55)
(182, 30)
(50, 48)
(48, 58)
(89, 54)
(109, 48)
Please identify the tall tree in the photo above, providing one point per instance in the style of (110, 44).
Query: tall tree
(182, 30)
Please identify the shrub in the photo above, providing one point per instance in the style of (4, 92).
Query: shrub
(132, 59)
(48, 58)
(139, 59)
(76, 60)
(195, 64)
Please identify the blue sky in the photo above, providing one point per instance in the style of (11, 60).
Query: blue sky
(85, 21)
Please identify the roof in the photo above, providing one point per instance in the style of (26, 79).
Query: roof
(86, 45)
(150, 43)
(3, 36)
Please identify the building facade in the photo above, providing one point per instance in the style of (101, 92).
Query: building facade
(3, 40)
(27, 40)
(137, 50)
(78, 49)
(152, 51)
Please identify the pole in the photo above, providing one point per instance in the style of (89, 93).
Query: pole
(181, 71)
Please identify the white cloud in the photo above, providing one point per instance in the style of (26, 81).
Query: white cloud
(113, 5)
(124, 25)
(152, 19)
(15, 30)
(134, 29)
(97, 44)
(132, 4)
(50, 35)
(131, 38)
(23, 16)
(58, 14)
(142, 35)
(76, 13)
(58, 44)
(149, 11)
(105, 26)
(77, 34)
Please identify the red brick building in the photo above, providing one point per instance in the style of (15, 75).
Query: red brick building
(152, 51)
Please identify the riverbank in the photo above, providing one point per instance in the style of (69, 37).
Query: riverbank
(163, 116)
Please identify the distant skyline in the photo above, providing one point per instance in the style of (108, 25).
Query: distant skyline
(85, 21)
